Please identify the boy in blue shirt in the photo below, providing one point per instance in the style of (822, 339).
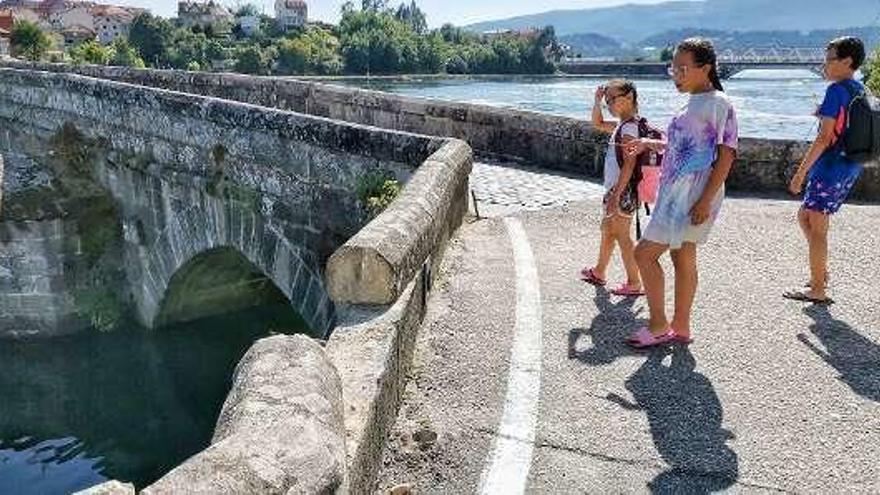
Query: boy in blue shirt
(829, 176)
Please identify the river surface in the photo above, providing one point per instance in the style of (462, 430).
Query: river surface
(770, 104)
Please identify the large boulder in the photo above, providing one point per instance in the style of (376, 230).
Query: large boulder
(280, 431)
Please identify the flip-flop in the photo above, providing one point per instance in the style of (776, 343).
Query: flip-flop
(797, 295)
(643, 338)
(627, 290)
(681, 339)
(589, 275)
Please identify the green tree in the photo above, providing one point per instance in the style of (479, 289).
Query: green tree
(412, 16)
(251, 60)
(666, 54)
(125, 55)
(376, 42)
(91, 52)
(151, 36)
(185, 47)
(293, 56)
(374, 5)
(28, 41)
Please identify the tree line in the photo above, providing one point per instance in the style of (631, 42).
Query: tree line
(370, 39)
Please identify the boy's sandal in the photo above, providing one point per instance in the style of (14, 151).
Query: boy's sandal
(589, 275)
(643, 338)
(797, 295)
(627, 290)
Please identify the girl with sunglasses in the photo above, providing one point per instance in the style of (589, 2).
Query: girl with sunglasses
(621, 197)
(700, 149)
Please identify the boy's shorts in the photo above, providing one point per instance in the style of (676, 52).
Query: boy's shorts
(629, 202)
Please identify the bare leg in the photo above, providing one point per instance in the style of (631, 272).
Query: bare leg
(606, 249)
(622, 228)
(686, 279)
(818, 241)
(805, 223)
(648, 258)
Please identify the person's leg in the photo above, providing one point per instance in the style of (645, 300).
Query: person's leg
(818, 241)
(648, 259)
(622, 230)
(686, 279)
(606, 249)
(806, 228)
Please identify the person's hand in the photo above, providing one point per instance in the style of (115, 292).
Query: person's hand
(635, 147)
(612, 204)
(700, 212)
(797, 183)
(600, 95)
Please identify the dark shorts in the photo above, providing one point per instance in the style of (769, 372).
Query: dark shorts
(629, 201)
(829, 185)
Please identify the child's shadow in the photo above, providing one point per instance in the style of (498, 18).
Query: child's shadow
(685, 417)
(608, 331)
(853, 355)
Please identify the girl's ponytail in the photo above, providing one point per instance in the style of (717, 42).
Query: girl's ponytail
(714, 79)
(704, 54)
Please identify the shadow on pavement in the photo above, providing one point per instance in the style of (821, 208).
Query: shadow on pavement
(685, 417)
(608, 331)
(853, 355)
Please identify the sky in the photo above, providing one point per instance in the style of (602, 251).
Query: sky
(438, 12)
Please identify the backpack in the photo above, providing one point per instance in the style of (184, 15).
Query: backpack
(646, 175)
(859, 141)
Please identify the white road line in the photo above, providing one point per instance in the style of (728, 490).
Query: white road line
(508, 467)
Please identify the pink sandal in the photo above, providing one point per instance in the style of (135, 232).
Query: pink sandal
(681, 339)
(589, 275)
(643, 338)
(627, 290)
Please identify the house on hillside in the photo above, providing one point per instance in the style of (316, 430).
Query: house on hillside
(205, 14)
(4, 42)
(249, 24)
(111, 21)
(74, 35)
(291, 14)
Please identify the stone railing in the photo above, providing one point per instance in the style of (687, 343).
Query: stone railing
(552, 142)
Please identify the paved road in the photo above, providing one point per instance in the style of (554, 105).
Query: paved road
(773, 396)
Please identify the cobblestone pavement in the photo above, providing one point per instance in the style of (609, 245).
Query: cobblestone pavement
(773, 396)
(505, 188)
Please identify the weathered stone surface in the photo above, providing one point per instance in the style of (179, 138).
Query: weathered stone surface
(374, 266)
(372, 351)
(281, 429)
(109, 488)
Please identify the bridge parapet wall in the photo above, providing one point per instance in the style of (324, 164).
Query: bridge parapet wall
(553, 142)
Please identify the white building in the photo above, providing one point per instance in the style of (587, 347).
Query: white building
(250, 24)
(204, 14)
(111, 22)
(291, 13)
(4, 43)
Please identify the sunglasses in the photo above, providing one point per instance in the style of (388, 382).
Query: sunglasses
(680, 70)
(610, 99)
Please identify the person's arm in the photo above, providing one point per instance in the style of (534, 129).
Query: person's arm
(638, 146)
(598, 117)
(822, 142)
(702, 209)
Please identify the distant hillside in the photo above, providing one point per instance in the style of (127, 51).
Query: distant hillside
(593, 45)
(763, 39)
(633, 23)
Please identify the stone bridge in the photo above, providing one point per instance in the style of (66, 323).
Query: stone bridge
(198, 180)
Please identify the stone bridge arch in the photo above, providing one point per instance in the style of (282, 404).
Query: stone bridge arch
(203, 229)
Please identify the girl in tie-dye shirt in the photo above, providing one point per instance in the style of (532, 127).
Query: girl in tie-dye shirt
(699, 150)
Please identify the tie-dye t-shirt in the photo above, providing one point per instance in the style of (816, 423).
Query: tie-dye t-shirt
(706, 122)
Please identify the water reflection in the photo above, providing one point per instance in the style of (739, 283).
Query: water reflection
(126, 405)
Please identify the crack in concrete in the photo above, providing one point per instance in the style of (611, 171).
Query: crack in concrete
(634, 462)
